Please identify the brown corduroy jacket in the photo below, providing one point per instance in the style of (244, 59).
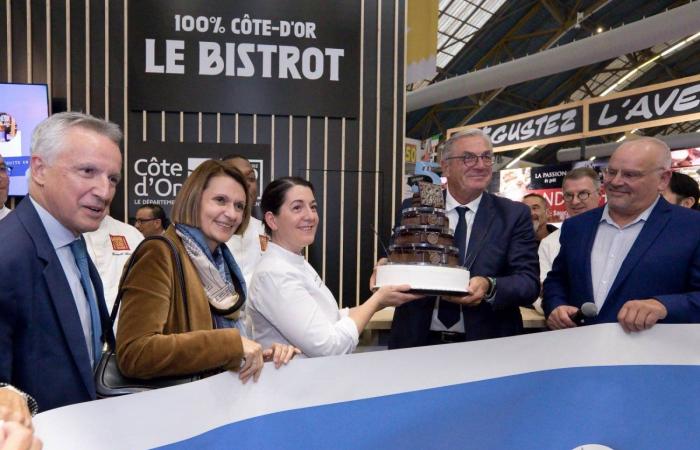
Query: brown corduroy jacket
(153, 338)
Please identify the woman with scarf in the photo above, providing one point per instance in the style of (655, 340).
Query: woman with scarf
(162, 332)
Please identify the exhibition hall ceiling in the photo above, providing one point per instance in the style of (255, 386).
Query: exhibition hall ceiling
(474, 35)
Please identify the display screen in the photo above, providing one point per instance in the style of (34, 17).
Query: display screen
(22, 107)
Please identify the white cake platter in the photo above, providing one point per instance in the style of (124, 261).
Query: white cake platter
(425, 278)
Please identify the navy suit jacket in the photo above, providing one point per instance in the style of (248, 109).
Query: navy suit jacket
(42, 346)
(663, 263)
(508, 253)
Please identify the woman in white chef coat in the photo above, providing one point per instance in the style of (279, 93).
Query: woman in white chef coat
(288, 301)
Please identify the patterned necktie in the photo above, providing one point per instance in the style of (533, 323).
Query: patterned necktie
(81, 259)
(448, 312)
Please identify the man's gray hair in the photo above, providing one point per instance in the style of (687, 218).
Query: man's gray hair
(665, 157)
(48, 136)
(446, 147)
(583, 172)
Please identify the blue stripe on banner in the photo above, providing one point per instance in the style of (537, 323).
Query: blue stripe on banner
(621, 407)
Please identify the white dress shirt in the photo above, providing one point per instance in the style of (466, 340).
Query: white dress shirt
(547, 251)
(247, 249)
(4, 211)
(61, 238)
(289, 303)
(110, 247)
(610, 248)
(451, 205)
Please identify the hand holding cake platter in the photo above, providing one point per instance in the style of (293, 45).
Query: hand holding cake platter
(423, 254)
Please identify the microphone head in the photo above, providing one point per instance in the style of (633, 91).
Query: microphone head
(589, 310)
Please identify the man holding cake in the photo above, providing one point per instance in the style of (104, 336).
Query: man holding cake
(496, 244)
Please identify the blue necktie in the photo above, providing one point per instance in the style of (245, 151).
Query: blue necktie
(448, 312)
(81, 259)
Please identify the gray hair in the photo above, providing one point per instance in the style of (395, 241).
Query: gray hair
(583, 172)
(48, 137)
(446, 147)
(664, 158)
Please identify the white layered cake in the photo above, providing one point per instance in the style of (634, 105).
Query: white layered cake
(427, 278)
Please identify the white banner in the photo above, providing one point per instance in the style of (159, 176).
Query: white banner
(558, 390)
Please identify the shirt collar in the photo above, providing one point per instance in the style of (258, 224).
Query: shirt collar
(643, 217)
(452, 203)
(59, 235)
(283, 253)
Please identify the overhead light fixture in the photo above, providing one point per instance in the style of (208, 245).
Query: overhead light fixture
(663, 54)
(672, 49)
(515, 160)
(592, 158)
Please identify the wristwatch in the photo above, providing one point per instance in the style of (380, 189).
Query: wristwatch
(492, 288)
(31, 403)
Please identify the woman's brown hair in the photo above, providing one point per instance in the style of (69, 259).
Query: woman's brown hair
(188, 200)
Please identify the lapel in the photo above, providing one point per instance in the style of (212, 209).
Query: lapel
(480, 228)
(58, 292)
(657, 221)
(591, 231)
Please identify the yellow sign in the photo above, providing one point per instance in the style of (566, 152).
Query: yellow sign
(410, 152)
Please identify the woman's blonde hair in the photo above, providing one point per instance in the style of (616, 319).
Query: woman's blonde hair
(187, 203)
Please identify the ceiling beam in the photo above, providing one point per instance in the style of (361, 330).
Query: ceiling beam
(487, 59)
(554, 11)
(570, 23)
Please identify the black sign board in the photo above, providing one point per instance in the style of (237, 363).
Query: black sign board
(650, 106)
(159, 172)
(660, 104)
(250, 56)
(543, 126)
(548, 177)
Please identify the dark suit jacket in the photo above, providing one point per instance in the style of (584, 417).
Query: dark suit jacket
(663, 263)
(508, 253)
(42, 345)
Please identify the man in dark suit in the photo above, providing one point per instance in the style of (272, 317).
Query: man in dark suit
(637, 258)
(500, 250)
(52, 310)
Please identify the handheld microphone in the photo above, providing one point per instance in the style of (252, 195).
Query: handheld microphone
(587, 313)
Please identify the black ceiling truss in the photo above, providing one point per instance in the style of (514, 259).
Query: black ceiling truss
(520, 28)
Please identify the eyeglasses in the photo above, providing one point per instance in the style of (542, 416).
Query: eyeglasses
(7, 170)
(628, 175)
(583, 196)
(470, 159)
(144, 220)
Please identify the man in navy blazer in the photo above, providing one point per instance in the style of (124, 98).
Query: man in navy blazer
(501, 254)
(47, 338)
(637, 258)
